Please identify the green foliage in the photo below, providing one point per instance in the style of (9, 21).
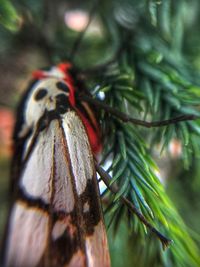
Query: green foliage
(154, 82)
(134, 171)
(8, 16)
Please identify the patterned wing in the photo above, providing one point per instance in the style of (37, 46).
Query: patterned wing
(56, 219)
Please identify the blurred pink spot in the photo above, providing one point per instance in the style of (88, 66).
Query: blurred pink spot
(175, 148)
(76, 20)
(6, 129)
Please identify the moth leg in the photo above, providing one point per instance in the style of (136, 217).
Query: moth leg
(126, 118)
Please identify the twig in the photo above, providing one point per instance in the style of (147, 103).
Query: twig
(114, 189)
(126, 118)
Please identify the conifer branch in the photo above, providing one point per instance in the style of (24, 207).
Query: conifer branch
(114, 189)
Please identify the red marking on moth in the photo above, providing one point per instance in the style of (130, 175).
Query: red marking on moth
(64, 67)
(94, 136)
(39, 74)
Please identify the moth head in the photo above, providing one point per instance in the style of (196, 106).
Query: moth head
(50, 94)
(60, 71)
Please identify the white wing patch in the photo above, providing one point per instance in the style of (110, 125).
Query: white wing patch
(78, 145)
(60, 227)
(46, 174)
(24, 222)
(36, 177)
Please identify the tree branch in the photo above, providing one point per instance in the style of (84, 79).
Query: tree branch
(114, 189)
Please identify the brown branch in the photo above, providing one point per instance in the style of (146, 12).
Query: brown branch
(126, 118)
(114, 189)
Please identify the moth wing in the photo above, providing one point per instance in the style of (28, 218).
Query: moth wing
(56, 219)
(89, 206)
(45, 193)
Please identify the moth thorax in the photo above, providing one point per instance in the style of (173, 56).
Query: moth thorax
(49, 94)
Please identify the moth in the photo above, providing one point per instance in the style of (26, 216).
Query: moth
(55, 216)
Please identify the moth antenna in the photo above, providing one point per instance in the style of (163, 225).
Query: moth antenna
(77, 42)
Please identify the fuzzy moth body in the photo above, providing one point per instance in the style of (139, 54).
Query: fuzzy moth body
(56, 217)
